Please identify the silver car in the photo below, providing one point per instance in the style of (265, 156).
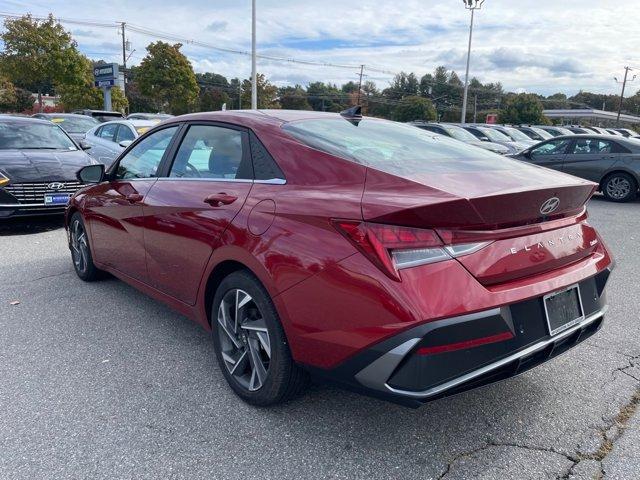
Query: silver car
(109, 139)
(612, 162)
(487, 134)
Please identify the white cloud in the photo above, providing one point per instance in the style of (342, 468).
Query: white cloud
(532, 45)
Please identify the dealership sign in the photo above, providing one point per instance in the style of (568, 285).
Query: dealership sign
(105, 75)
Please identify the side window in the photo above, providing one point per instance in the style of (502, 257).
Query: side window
(142, 161)
(98, 131)
(124, 133)
(208, 151)
(264, 166)
(108, 131)
(554, 147)
(592, 146)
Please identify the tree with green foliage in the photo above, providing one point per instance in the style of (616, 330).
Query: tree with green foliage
(212, 99)
(294, 98)
(166, 76)
(267, 93)
(403, 85)
(325, 97)
(522, 108)
(414, 108)
(40, 54)
(7, 95)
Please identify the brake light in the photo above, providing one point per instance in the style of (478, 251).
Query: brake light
(392, 248)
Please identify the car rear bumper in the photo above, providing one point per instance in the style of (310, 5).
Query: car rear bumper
(393, 369)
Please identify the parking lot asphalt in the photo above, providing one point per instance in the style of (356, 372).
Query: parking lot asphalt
(99, 381)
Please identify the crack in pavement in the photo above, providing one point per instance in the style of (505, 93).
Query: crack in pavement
(610, 433)
(37, 279)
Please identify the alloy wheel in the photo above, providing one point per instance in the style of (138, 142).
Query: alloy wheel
(244, 339)
(79, 246)
(618, 188)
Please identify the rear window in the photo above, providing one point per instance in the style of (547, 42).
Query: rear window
(393, 147)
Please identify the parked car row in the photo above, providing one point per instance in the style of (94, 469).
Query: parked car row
(612, 161)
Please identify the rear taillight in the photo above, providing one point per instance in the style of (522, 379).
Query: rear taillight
(392, 248)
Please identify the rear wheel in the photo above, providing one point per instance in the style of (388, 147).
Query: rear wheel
(620, 187)
(80, 250)
(251, 346)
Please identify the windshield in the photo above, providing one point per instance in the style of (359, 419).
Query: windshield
(543, 133)
(460, 134)
(27, 135)
(494, 135)
(75, 124)
(515, 134)
(393, 147)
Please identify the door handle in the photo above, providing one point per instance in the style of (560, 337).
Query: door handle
(218, 199)
(134, 198)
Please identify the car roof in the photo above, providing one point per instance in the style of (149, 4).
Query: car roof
(132, 122)
(273, 117)
(16, 119)
(63, 115)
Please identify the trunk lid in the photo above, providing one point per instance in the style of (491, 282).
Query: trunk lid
(506, 208)
(485, 200)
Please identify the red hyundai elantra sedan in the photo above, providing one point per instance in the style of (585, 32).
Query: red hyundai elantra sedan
(389, 259)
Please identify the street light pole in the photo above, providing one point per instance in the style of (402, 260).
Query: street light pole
(472, 5)
(254, 73)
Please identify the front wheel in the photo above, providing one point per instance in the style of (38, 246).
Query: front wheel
(620, 187)
(80, 250)
(250, 343)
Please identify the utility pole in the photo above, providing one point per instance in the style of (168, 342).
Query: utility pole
(624, 85)
(254, 73)
(472, 5)
(360, 83)
(475, 109)
(124, 59)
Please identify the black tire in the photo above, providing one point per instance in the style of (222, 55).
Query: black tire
(81, 251)
(620, 187)
(284, 379)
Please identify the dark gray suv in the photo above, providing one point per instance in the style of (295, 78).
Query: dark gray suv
(612, 162)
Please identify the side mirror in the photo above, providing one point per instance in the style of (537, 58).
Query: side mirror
(84, 145)
(91, 174)
(125, 143)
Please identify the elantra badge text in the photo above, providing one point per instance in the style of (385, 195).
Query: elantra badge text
(547, 244)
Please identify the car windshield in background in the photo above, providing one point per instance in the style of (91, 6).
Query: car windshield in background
(460, 134)
(75, 124)
(494, 135)
(516, 134)
(37, 136)
(395, 148)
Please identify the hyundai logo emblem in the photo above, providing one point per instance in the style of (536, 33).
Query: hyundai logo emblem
(550, 206)
(55, 186)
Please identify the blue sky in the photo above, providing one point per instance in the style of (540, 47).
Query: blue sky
(529, 45)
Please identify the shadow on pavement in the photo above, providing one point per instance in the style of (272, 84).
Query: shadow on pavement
(29, 225)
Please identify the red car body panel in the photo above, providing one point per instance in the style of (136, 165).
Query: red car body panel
(333, 301)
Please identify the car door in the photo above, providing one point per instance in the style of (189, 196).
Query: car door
(125, 134)
(103, 146)
(115, 212)
(549, 154)
(187, 211)
(589, 157)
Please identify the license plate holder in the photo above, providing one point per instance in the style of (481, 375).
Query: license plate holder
(563, 309)
(56, 199)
